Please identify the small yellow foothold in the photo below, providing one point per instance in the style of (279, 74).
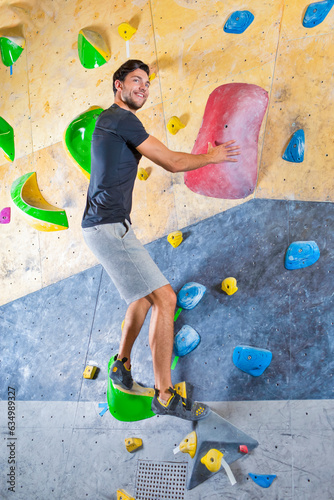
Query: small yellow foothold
(126, 31)
(175, 238)
(212, 460)
(133, 443)
(152, 76)
(89, 371)
(174, 125)
(189, 444)
(122, 495)
(122, 325)
(142, 174)
(229, 286)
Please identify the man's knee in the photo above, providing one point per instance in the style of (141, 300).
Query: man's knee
(164, 296)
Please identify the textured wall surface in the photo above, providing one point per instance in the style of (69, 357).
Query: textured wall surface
(60, 311)
(64, 447)
(185, 45)
(287, 312)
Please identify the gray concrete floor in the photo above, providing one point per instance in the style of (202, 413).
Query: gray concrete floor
(67, 450)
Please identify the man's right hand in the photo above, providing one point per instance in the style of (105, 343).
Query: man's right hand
(223, 152)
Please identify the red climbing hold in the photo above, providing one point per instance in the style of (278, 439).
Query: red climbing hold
(233, 112)
(243, 448)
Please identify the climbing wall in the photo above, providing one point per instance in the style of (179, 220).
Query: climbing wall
(56, 312)
(191, 55)
(49, 337)
(300, 99)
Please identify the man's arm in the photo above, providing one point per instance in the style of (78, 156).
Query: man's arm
(174, 161)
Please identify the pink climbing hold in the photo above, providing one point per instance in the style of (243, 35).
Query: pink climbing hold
(5, 215)
(233, 112)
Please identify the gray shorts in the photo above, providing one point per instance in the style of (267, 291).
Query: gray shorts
(125, 259)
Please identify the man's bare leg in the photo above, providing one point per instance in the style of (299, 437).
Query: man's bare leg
(161, 337)
(134, 320)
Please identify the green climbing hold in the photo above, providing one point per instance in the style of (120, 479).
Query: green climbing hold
(78, 138)
(92, 49)
(7, 140)
(129, 406)
(27, 197)
(11, 49)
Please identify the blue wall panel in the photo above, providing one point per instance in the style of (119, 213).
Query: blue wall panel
(50, 335)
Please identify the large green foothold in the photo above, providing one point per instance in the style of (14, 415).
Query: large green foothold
(27, 197)
(11, 49)
(125, 406)
(92, 49)
(78, 138)
(7, 139)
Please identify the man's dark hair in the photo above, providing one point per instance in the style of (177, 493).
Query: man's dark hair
(127, 68)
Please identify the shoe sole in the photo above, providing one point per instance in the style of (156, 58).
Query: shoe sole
(120, 384)
(168, 414)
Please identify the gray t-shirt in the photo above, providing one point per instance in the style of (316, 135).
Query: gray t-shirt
(114, 166)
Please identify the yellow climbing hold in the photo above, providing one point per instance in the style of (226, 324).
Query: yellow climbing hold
(133, 443)
(122, 325)
(229, 286)
(90, 371)
(122, 495)
(126, 31)
(175, 238)
(212, 460)
(152, 76)
(174, 125)
(142, 174)
(189, 444)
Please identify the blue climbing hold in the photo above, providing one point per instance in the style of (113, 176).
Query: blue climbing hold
(186, 340)
(295, 150)
(251, 360)
(190, 295)
(104, 407)
(301, 254)
(238, 22)
(316, 12)
(263, 480)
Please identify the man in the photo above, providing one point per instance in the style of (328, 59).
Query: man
(119, 141)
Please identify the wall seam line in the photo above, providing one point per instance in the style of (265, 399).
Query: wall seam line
(78, 400)
(269, 102)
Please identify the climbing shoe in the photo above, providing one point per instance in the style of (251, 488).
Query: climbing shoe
(178, 406)
(121, 375)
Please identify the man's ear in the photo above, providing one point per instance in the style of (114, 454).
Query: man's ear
(118, 84)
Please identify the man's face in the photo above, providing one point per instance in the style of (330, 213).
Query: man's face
(134, 90)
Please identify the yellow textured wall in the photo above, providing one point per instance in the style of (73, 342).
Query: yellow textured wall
(184, 43)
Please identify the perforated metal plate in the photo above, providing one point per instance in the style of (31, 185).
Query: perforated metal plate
(160, 480)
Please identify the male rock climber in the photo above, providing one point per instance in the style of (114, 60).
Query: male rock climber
(118, 143)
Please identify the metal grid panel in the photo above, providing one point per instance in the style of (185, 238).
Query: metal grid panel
(160, 480)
